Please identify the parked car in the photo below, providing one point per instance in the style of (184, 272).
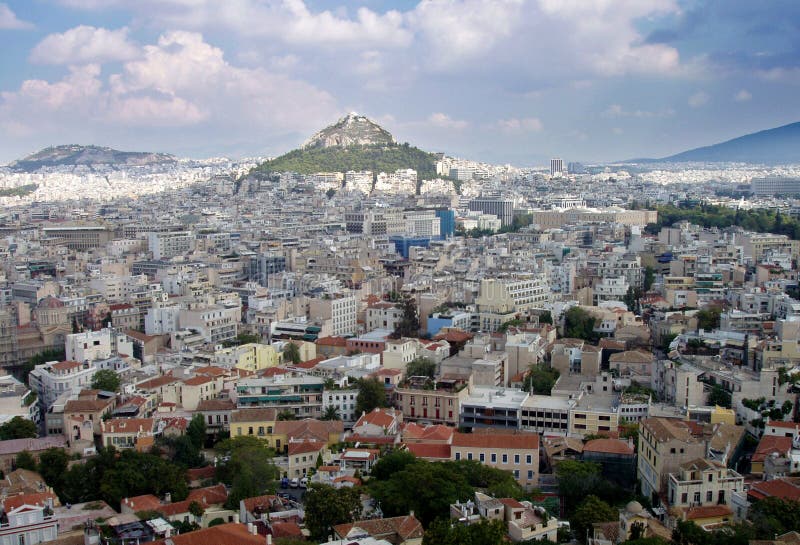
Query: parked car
(304, 482)
(294, 483)
(285, 482)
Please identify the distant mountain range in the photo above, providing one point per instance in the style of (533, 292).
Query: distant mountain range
(780, 145)
(352, 143)
(72, 155)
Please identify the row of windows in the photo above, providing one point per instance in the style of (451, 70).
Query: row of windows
(493, 458)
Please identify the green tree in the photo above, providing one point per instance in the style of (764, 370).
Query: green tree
(719, 396)
(371, 395)
(53, 464)
(287, 414)
(106, 379)
(325, 507)
(426, 488)
(578, 324)
(649, 277)
(591, 510)
(708, 319)
(545, 317)
(331, 413)
(577, 480)
(421, 367)
(196, 430)
(541, 379)
(408, 326)
(446, 532)
(17, 428)
(291, 353)
(392, 463)
(25, 460)
(330, 193)
(196, 509)
(772, 516)
(248, 468)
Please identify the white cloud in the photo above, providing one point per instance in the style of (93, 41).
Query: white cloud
(698, 99)
(179, 81)
(9, 20)
(525, 124)
(742, 96)
(444, 121)
(616, 110)
(85, 44)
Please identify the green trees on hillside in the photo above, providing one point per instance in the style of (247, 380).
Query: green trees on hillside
(377, 158)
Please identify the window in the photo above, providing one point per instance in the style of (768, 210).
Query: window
(697, 497)
(709, 496)
(516, 459)
(530, 474)
(482, 457)
(469, 456)
(528, 459)
(494, 458)
(458, 456)
(672, 450)
(505, 458)
(250, 430)
(710, 477)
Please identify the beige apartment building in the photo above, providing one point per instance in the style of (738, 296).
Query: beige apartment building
(517, 452)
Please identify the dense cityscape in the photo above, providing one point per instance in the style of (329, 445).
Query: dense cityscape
(364, 342)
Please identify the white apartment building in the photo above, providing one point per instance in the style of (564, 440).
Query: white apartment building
(15, 400)
(678, 384)
(117, 289)
(610, 289)
(345, 403)
(214, 323)
(340, 310)
(422, 223)
(170, 244)
(161, 320)
(96, 345)
(383, 316)
(53, 379)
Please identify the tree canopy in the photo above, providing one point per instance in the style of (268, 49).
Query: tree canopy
(106, 379)
(408, 326)
(421, 367)
(484, 532)
(541, 379)
(17, 428)
(325, 507)
(247, 467)
(371, 395)
(579, 324)
(591, 510)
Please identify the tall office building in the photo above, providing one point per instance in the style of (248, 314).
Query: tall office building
(775, 185)
(502, 208)
(556, 167)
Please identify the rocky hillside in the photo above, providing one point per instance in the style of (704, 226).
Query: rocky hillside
(71, 155)
(351, 130)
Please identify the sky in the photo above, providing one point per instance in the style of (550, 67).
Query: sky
(503, 81)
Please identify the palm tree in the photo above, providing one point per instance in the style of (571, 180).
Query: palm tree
(287, 414)
(331, 413)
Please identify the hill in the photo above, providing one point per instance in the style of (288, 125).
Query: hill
(780, 145)
(352, 143)
(71, 155)
(351, 130)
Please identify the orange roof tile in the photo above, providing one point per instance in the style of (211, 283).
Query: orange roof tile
(497, 440)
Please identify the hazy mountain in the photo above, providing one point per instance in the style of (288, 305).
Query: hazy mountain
(353, 143)
(72, 154)
(780, 145)
(351, 130)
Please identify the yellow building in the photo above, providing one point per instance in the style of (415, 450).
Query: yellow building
(257, 422)
(249, 357)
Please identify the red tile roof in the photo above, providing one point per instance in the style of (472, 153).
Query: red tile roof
(225, 534)
(785, 425)
(209, 495)
(332, 341)
(37, 498)
(286, 529)
(777, 488)
(608, 446)
(198, 381)
(708, 511)
(147, 502)
(127, 425)
(429, 451)
(770, 444)
(306, 447)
